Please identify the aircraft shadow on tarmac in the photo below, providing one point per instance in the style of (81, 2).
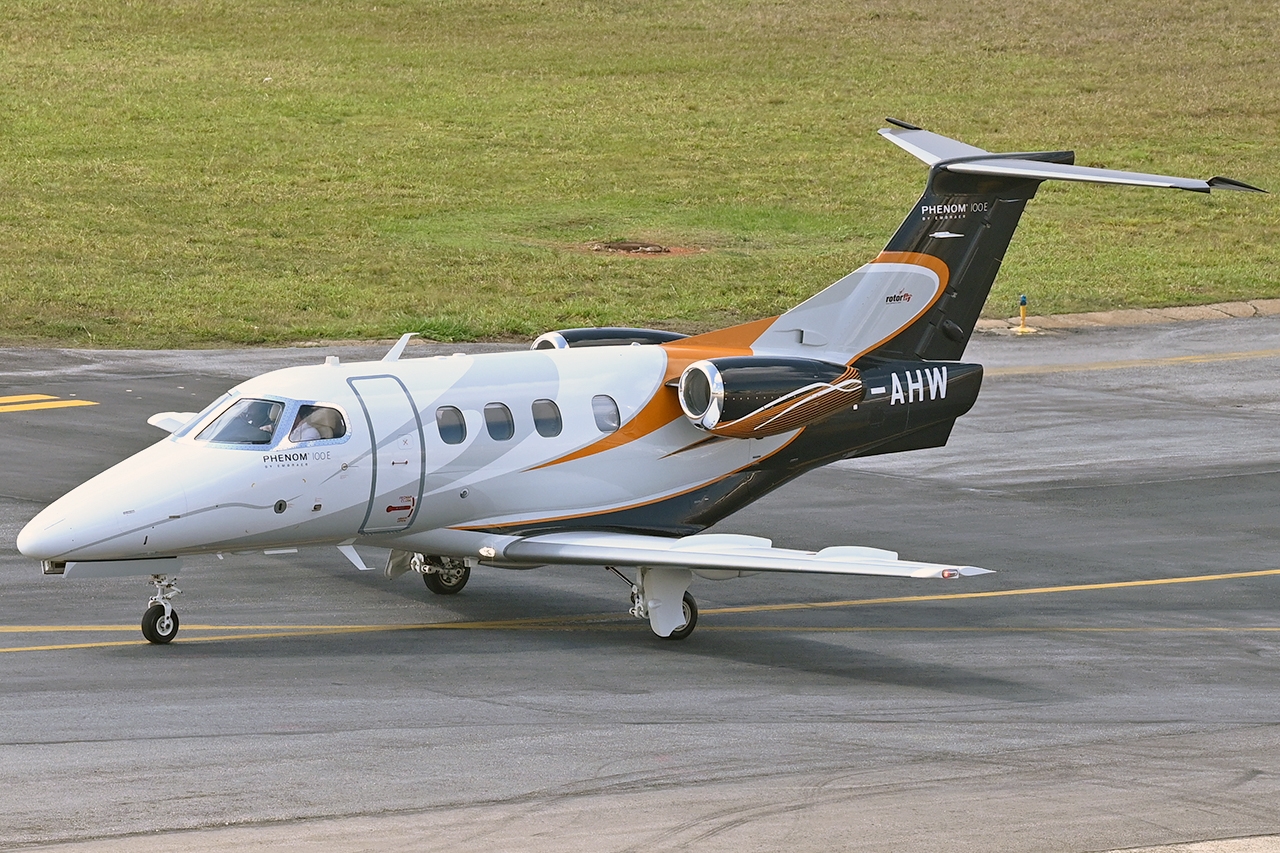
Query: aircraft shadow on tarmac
(549, 613)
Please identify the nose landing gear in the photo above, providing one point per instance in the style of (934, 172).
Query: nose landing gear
(160, 621)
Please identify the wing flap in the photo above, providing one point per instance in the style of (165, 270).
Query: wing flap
(720, 552)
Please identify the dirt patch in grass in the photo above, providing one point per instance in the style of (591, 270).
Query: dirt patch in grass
(636, 247)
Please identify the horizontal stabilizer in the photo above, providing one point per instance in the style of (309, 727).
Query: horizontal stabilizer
(951, 155)
(1033, 170)
(932, 148)
(718, 552)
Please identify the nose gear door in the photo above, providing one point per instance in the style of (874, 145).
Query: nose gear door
(398, 456)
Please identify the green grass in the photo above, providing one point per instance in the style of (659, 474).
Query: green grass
(199, 172)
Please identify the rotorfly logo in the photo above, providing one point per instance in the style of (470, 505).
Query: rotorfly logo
(900, 296)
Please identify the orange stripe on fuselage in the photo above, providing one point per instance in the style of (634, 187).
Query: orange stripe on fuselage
(664, 406)
(625, 507)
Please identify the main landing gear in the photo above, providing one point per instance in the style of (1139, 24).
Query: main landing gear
(660, 595)
(160, 621)
(654, 596)
(442, 575)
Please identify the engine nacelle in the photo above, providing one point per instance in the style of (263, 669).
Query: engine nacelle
(603, 337)
(758, 396)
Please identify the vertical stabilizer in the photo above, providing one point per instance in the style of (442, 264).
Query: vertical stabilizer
(921, 297)
(964, 223)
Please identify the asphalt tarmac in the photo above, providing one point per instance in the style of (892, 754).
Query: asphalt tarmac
(1116, 684)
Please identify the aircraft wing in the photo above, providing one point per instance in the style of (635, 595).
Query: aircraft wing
(718, 552)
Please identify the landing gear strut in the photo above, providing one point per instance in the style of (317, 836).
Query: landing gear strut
(160, 621)
(442, 575)
(654, 596)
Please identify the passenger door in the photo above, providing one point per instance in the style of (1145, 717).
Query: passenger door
(398, 456)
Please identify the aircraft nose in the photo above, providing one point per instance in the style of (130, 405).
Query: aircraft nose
(63, 528)
(42, 538)
(90, 521)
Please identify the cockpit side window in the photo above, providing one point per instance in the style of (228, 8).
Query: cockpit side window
(246, 422)
(316, 423)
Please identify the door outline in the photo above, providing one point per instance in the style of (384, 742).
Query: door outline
(374, 438)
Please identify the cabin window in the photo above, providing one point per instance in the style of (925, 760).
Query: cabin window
(498, 421)
(546, 418)
(606, 412)
(317, 423)
(452, 425)
(246, 422)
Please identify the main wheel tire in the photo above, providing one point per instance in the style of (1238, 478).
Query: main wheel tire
(447, 581)
(690, 619)
(158, 628)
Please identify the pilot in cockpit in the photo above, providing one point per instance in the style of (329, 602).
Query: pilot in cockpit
(317, 422)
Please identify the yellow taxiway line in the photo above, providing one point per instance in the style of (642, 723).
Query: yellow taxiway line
(997, 593)
(33, 402)
(596, 621)
(25, 398)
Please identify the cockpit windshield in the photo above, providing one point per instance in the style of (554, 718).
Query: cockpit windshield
(246, 422)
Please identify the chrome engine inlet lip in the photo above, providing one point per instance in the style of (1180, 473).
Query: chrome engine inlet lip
(708, 416)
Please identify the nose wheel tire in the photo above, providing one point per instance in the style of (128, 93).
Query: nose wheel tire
(690, 619)
(447, 581)
(157, 627)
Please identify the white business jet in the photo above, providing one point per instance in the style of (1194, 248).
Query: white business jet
(599, 447)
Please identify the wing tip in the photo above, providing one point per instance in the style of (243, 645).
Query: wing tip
(973, 571)
(1221, 183)
(905, 125)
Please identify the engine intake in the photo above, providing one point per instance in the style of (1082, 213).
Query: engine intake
(760, 396)
(606, 336)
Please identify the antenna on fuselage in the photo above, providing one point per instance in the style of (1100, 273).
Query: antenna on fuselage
(393, 354)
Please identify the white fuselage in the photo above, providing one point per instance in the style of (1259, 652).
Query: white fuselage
(392, 477)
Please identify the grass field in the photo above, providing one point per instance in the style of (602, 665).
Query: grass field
(207, 171)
